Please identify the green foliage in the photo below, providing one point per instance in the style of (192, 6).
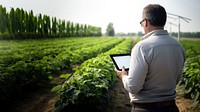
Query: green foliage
(88, 87)
(110, 30)
(191, 71)
(20, 24)
(137, 39)
(3, 18)
(24, 64)
(65, 76)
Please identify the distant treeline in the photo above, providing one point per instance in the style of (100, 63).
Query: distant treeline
(187, 34)
(129, 34)
(175, 34)
(20, 24)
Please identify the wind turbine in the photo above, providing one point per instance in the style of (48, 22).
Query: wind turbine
(179, 18)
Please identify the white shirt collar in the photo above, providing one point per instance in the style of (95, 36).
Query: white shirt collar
(155, 32)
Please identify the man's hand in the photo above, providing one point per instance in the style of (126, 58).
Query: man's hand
(120, 74)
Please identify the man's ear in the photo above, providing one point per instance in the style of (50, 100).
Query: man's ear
(146, 23)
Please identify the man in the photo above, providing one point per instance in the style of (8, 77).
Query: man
(155, 67)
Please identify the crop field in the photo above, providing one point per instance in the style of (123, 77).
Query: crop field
(90, 83)
(191, 71)
(23, 63)
(26, 64)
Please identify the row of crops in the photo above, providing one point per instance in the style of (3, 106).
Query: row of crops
(24, 64)
(87, 89)
(191, 71)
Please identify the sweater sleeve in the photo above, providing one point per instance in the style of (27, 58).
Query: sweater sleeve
(138, 70)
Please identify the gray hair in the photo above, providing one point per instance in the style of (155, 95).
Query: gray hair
(155, 14)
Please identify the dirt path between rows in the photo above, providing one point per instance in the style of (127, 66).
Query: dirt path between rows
(43, 101)
(119, 101)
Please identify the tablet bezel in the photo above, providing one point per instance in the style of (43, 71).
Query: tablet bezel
(118, 55)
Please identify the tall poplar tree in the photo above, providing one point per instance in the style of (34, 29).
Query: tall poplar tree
(3, 19)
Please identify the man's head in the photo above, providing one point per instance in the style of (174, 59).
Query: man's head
(154, 17)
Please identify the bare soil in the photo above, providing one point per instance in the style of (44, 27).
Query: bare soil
(43, 100)
(119, 101)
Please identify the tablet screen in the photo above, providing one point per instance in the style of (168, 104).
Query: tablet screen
(121, 60)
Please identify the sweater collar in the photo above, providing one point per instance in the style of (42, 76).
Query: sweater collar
(155, 32)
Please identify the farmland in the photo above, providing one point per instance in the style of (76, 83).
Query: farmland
(23, 63)
(28, 64)
(191, 70)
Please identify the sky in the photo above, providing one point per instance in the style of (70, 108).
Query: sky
(124, 14)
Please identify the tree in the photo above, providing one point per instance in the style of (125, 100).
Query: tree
(85, 30)
(110, 30)
(22, 20)
(12, 20)
(59, 28)
(40, 25)
(63, 28)
(81, 31)
(68, 29)
(3, 19)
(77, 29)
(54, 26)
(140, 33)
(99, 31)
(46, 23)
(31, 22)
(20, 24)
(72, 29)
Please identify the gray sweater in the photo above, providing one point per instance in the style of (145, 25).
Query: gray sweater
(155, 68)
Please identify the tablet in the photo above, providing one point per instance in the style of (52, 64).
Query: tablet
(121, 60)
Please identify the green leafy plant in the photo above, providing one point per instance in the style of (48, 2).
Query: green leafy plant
(28, 63)
(191, 71)
(88, 87)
